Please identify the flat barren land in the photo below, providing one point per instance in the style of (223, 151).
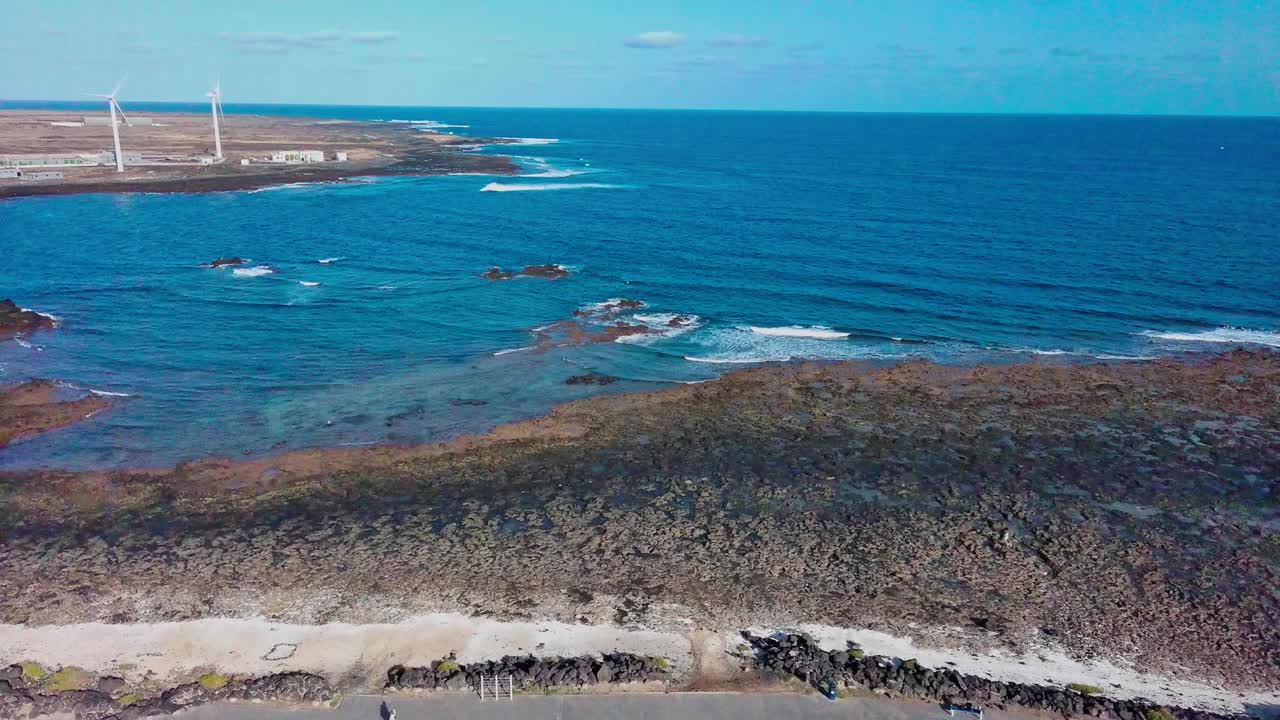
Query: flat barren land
(373, 148)
(1122, 511)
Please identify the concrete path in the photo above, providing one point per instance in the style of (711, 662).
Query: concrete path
(673, 706)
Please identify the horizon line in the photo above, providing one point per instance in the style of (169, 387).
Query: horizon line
(680, 109)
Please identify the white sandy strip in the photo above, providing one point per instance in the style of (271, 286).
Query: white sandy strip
(167, 653)
(1046, 666)
(164, 654)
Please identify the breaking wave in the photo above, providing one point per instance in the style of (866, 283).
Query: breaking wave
(328, 261)
(818, 332)
(1238, 336)
(253, 271)
(661, 326)
(308, 283)
(534, 187)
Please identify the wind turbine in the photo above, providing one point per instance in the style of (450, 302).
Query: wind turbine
(215, 107)
(114, 106)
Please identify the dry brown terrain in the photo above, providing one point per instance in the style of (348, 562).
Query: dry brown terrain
(373, 148)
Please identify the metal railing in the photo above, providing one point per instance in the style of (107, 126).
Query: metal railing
(497, 686)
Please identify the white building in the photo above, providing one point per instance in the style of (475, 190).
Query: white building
(42, 175)
(340, 156)
(205, 159)
(297, 156)
(108, 157)
(48, 160)
(8, 172)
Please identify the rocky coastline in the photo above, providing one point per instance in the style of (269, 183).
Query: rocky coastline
(34, 407)
(848, 671)
(15, 321)
(1115, 510)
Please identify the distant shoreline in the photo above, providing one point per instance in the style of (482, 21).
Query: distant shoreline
(374, 149)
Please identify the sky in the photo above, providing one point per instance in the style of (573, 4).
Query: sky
(1212, 57)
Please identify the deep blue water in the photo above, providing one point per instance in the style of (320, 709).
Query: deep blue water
(966, 238)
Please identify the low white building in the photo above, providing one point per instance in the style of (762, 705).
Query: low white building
(48, 160)
(340, 156)
(297, 156)
(204, 159)
(8, 172)
(42, 175)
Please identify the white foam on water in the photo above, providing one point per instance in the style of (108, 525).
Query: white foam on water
(54, 318)
(535, 187)
(257, 271)
(820, 332)
(534, 141)
(660, 327)
(103, 393)
(328, 261)
(1233, 335)
(388, 287)
(557, 173)
(285, 186)
(25, 344)
(510, 350)
(744, 345)
(308, 283)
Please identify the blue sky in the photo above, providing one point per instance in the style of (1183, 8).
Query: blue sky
(1104, 56)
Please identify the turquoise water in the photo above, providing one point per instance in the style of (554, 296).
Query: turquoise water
(961, 239)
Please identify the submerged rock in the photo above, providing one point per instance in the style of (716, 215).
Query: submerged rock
(547, 272)
(16, 321)
(226, 262)
(591, 379)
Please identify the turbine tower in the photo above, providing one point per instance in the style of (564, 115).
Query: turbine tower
(114, 106)
(215, 107)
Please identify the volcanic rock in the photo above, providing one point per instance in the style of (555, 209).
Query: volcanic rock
(15, 321)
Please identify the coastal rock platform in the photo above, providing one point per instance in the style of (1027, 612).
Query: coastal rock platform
(1123, 511)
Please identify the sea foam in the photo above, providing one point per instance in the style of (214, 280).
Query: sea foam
(253, 271)
(308, 283)
(534, 187)
(1238, 336)
(818, 332)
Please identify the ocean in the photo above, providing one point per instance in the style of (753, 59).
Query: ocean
(774, 236)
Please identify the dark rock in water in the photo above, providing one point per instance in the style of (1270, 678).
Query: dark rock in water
(550, 272)
(678, 321)
(591, 379)
(226, 262)
(15, 321)
(495, 273)
(547, 272)
(460, 402)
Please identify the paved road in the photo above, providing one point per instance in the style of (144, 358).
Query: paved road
(674, 706)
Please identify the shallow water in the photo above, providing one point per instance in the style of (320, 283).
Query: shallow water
(787, 235)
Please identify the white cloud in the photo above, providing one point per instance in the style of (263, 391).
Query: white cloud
(655, 40)
(373, 37)
(275, 43)
(739, 41)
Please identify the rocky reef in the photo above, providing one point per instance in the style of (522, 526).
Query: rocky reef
(15, 321)
(35, 406)
(836, 671)
(225, 262)
(546, 272)
(1117, 510)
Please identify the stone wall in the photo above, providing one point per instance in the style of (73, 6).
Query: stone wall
(531, 672)
(798, 655)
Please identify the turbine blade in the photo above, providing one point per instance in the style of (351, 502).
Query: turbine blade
(119, 85)
(120, 110)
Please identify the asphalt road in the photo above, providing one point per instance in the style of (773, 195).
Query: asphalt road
(675, 706)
